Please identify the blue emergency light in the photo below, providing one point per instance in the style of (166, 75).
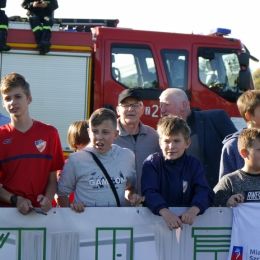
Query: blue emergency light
(220, 31)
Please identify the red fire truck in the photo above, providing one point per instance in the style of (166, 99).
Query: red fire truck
(87, 70)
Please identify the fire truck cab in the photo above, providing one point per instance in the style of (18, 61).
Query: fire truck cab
(87, 70)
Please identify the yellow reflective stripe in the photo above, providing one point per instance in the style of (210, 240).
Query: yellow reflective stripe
(53, 47)
(47, 28)
(36, 28)
(2, 26)
(72, 48)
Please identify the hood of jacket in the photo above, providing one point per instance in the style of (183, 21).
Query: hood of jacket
(232, 136)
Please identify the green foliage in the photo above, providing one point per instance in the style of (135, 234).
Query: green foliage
(256, 78)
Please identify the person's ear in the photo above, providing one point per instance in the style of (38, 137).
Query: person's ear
(142, 109)
(116, 134)
(248, 116)
(117, 110)
(188, 142)
(184, 105)
(243, 153)
(29, 100)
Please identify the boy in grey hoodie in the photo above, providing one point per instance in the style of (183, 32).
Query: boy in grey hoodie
(249, 108)
(82, 175)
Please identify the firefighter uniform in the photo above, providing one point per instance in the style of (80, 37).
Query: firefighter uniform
(41, 21)
(3, 27)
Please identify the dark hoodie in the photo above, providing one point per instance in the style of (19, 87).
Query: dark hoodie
(230, 160)
(175, 183)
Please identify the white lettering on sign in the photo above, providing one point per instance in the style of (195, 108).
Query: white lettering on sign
(154, 114)
(147, 110)
(154, 111)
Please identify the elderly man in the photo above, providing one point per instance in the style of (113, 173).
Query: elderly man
(133, 134)
(208, 129)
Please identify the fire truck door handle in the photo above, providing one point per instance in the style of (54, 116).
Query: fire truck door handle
(109, 106)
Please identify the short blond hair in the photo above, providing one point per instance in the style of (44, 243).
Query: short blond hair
(14, 80)
(246, 138)
(172, 125)
(247, 102)
(102, 114)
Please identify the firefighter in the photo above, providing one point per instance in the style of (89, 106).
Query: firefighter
(40, 15)
(3, 27)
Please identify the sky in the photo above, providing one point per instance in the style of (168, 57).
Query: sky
(186, 16)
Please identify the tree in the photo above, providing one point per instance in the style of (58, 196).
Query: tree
(256, 78)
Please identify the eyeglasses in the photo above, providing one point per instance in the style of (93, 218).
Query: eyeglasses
(136, 105)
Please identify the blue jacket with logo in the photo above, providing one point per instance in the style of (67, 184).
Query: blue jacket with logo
(175, 183)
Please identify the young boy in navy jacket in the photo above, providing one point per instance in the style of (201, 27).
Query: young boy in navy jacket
(173, 178)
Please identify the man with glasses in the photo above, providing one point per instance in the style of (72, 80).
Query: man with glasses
(133, 134)
(208, 129)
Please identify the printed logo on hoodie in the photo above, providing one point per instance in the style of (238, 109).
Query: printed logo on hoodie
(184, 186)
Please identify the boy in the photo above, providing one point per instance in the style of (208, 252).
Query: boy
(82, 174)
(78, 135)
(242, 185)
(31, 151)
(173, 178)
(77, 139)
(40, 15)
(249, 108)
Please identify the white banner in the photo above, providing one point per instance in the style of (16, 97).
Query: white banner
(245, 241)
(130, 233)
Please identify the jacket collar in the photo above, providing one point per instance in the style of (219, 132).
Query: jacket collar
(122, 132)
(178, 161)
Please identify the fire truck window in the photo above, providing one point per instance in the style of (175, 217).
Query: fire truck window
(134, 67)
(176, 64)
(220, 73)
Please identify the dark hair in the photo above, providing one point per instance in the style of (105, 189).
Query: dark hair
(172, 125)
(14, 80)
(247, 102)
(102, 114)
(78, 134)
